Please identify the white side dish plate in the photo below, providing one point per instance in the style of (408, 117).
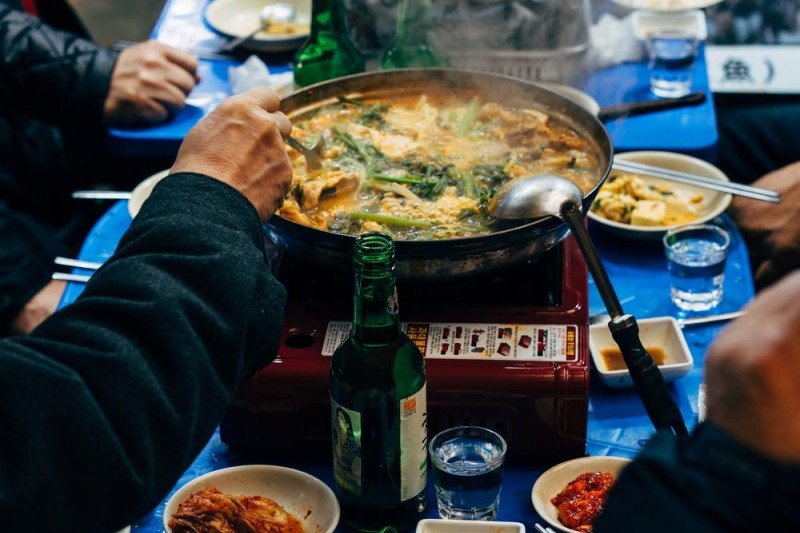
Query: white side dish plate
(553, 481)
(300, 494)
(661, 332)
(142, 191)
(713, 203)
(237, 18)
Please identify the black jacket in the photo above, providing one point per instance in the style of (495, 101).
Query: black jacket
(53, 84)
(105, 405)
(58, 76)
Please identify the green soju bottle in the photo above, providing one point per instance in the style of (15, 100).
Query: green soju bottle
(378, 403)
(411, 45)
(328, 52)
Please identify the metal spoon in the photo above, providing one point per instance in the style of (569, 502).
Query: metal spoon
(550, 195)
(313, 154)
(278, 12)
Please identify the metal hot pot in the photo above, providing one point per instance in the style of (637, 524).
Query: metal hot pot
(447, 259)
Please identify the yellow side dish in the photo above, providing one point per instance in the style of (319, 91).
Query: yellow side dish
(628, 199)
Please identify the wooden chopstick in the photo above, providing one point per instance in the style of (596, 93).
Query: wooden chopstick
(755, 193)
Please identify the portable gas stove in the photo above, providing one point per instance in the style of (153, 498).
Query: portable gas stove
(508, 352)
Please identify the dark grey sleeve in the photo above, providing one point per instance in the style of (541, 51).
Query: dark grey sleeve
(109, 400)
(707, 483)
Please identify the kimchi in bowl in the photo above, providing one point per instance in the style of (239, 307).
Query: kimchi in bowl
(553, 481)
(251, 492)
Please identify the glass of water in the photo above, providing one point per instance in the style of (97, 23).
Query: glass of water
(696, 262)
(468, 472)
(672, 56)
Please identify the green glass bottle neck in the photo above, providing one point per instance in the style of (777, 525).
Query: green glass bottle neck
(414, 22)
(411, 45)
(375, 309)
(328, 21)
(329, 52)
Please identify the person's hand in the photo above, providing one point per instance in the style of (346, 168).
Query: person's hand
(149, 82)
(43, 304)
(241, 144)
(753, 370)
(771, 231)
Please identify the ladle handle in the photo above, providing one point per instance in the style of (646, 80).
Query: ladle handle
(574, 219)
(646, 377)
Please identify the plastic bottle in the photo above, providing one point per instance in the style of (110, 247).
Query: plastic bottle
(411, 45)
(328, 52)
(378, 403)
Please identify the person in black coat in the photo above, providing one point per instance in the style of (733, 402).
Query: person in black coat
(739, 470)
(108, 401)
(59, 92)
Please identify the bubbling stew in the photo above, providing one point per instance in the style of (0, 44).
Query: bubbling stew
(424, 167)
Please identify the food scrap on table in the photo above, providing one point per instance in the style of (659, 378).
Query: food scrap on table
(212, 511)
(582, 500)
(628, 199)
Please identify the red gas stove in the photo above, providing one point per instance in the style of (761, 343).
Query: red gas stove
(509, 352)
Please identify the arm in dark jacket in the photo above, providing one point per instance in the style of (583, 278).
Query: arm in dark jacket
(51, 74)
(108, 401)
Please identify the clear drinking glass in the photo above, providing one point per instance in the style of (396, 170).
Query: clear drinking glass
(468, 472)
(672, 55)
(696, 262)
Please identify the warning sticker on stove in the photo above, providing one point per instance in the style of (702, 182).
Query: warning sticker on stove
(529, 342)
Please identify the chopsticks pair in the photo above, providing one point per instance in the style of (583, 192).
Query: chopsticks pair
(74, 263)
(543, 529)
(755, 193)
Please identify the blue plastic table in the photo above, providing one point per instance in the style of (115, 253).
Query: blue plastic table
(691, 130)
(617, 422)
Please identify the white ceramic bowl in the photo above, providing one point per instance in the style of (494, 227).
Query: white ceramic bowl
(661, 332)
(712, 205)
(553, 481)
(436, 525)
(304, 496)
(237, 18)
(143, 190)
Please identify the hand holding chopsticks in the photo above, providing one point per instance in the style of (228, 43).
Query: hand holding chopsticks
(698, 181)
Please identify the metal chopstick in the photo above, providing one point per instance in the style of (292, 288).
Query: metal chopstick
(710, 318)
(77, 263)
(64, 276)
(101, 195)
(755, 193)
(201, 54)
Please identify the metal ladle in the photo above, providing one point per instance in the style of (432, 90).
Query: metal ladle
(550, 195)
(278, 12)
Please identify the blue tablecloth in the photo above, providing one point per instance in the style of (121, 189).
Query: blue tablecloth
(617, 422)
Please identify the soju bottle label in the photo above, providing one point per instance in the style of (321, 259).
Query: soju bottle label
(413, 444)
(346, 448)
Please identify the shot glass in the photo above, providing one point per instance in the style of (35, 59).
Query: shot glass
(467, 463)
(696, 262)
(672, 56)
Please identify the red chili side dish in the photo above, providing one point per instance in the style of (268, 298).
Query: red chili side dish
(582, 499)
